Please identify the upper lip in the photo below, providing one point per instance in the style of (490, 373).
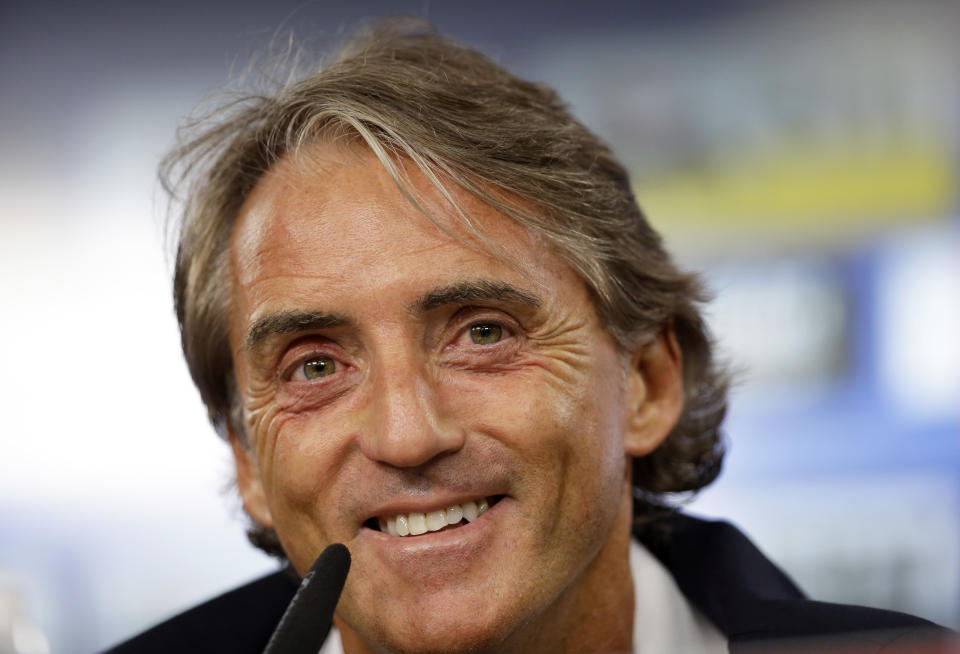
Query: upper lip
(424, 504)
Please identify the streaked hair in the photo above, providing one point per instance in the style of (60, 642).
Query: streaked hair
(410, 94)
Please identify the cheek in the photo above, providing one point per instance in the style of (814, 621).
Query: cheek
(564, 431)
(304, 457)
(300, 486)
(295, 456)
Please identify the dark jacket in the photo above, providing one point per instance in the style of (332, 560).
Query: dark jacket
(719, 570)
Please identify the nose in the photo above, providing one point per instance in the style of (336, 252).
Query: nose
(407, 427)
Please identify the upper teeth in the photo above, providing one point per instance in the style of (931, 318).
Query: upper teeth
(414, 524)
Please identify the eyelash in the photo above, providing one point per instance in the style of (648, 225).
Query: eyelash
(507, 332)
(294, 371)
(290, 372)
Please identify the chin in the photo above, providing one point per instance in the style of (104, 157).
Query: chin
(449, 643)
(440, 630)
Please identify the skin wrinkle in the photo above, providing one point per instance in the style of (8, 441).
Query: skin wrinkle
(323, 453)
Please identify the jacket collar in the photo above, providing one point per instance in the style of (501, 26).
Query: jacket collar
(750, 600)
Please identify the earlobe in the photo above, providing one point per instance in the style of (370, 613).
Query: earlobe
(654, 393)
(249, 485)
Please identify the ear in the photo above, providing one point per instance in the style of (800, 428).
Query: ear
(654, 393)
(249, 484)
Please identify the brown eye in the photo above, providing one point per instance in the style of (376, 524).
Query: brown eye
(319, 367)
(486, 334)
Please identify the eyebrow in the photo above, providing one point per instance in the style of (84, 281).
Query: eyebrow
(474, 291)
(290, 322)
(295, 321)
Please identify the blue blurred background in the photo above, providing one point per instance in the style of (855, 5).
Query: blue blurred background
(804, 155)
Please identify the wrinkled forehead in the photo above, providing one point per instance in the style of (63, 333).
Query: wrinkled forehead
(335, 233)
(293, 201)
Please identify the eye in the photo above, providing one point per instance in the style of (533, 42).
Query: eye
(319, 367)
(486, 334)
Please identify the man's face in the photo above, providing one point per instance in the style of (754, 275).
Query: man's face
(388, 369)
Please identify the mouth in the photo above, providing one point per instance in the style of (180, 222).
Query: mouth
(416, 523)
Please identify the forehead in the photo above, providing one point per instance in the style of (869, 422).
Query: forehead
(333, 220)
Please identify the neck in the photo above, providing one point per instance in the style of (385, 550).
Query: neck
(594, 615)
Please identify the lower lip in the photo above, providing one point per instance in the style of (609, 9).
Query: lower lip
(436, 550)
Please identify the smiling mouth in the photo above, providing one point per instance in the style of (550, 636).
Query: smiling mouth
(415, 523)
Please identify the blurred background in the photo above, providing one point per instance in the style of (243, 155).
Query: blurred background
(804, 155)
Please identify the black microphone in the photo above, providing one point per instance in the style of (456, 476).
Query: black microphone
(309, 616)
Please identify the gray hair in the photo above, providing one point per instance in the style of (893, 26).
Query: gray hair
(406, 92)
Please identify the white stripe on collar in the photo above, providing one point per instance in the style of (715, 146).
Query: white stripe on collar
(664, 620)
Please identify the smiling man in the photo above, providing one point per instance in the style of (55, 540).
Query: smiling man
(420, 302)
(461, 421)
